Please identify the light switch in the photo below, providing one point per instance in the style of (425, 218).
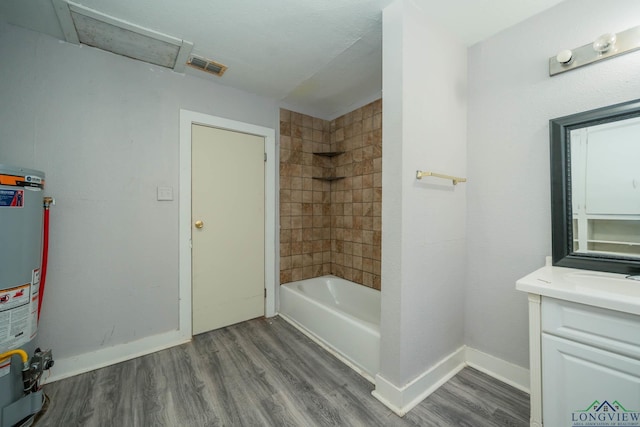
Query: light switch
(165, 193)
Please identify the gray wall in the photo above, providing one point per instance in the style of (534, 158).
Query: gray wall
(104, 129)
(511, 99)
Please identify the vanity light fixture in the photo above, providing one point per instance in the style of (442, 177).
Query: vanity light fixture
(606, 46)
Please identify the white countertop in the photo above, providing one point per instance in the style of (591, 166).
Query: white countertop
(596, 288)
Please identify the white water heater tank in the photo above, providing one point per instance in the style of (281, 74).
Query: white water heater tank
(21, 217)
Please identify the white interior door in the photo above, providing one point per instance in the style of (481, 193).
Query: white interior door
(227, 227)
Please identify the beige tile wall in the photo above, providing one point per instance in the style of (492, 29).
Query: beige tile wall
(356, 201)
(331, 227)
(305, 224)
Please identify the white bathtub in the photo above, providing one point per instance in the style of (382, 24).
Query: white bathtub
(340, 315)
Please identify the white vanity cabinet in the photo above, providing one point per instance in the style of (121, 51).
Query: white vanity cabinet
(588, 355)
(584, 348)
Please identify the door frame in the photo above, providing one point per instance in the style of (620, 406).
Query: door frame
(187, 119)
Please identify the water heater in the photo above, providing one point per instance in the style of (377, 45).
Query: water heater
(21, 235)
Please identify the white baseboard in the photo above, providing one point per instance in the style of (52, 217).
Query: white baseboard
(68, 367)
(402, 399)
(514, 375)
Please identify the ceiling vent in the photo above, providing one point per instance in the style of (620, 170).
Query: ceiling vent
(87, 26)
(207, 65)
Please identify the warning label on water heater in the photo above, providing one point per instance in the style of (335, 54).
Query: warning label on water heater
(11, 198)
(15, 316)
(14, 297)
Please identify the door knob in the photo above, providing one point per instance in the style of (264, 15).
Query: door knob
(199, 224)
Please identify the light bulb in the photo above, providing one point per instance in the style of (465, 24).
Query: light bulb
(604, 43)
(564, 57)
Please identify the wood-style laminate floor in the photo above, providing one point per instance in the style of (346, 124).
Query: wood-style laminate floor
(263, 373)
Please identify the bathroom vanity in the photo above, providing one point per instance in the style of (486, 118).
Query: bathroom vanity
(584, 344)
(584, 313)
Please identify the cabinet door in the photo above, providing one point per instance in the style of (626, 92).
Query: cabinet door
(583, 384)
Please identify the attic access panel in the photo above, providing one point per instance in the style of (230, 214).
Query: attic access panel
(87, 26)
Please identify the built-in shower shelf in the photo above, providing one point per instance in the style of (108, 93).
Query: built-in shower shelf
(329, 153)
(328, 178)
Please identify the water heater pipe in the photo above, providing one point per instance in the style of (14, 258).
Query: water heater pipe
(47, 202)
(23, 355)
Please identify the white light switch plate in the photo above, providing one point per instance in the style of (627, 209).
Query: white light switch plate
(165, 193)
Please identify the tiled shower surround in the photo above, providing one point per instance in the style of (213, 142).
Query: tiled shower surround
(331, 226)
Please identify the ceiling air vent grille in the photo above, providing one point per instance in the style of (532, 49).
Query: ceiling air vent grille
(207, 65)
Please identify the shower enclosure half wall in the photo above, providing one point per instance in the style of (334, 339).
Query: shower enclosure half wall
(331, 196)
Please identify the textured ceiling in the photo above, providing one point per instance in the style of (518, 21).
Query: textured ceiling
(317, 56)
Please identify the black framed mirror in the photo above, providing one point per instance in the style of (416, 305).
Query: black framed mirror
(595, 189)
